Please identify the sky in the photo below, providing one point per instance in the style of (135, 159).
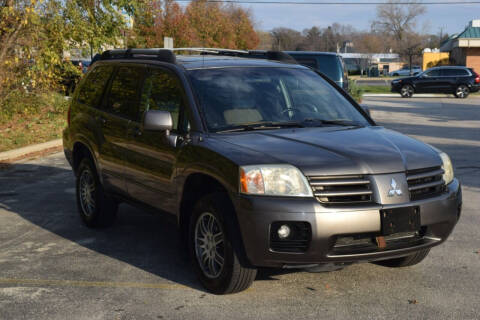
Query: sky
(448, 18)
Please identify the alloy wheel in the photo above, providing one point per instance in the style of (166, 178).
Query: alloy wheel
(462, 91)
(407, 91)
(209, 245)
(87, 192)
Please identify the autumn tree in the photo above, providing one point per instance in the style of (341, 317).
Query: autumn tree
(199, 24)
(245, 35)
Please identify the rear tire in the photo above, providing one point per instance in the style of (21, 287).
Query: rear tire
(407, 261)
(95, 208)
(406, 91)
(211, 248)
(462, 91)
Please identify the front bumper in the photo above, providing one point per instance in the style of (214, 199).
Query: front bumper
(395, 87)
(438, 217)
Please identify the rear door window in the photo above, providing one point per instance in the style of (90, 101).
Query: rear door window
(123, 97)
(93, 85)
(433, 73)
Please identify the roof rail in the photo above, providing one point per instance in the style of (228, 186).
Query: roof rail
(212, 50)
(262, 54)
(168, 55)
(273, 55)
(164, 55)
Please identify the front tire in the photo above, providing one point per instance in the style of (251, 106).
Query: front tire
(407, 261)
(406, 91)
(462, 91)
(95, 208)
(212, 252)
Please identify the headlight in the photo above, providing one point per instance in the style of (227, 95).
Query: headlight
(274, 180)
(447, 167)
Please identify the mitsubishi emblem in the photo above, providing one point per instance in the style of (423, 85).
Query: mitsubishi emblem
(394, 190)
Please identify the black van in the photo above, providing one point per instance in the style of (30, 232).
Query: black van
(329, 63)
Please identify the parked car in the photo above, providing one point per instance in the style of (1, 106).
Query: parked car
(70, 80)
(260, 163)
(329, 63)
(459, 81)
(405, 71)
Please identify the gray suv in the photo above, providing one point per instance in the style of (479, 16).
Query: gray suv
(261, 163)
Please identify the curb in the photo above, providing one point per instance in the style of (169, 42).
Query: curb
(397, 95)
(19, 153)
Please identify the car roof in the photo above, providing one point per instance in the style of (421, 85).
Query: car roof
(448, 67)
(191, 62)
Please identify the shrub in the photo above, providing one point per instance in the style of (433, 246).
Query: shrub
(355, 91)
(19, 102)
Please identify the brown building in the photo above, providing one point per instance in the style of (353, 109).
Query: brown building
(464, 48)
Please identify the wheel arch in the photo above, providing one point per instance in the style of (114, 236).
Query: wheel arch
(197, 185)
(80, 150)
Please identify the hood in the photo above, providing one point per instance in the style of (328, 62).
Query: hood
(333, 150)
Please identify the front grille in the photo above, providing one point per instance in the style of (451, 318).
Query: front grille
(298, 241)
(425, 183)
(341, 190)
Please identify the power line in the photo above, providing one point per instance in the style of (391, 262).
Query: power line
(334, 3)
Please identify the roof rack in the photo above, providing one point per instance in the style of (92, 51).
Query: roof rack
(168, 55)
(262, 54)
(164, 55)
(212, 50)
(272, 55)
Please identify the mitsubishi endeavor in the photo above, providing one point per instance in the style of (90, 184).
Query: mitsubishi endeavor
(261, 163)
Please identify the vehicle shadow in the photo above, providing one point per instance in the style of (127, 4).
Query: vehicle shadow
(44, 196)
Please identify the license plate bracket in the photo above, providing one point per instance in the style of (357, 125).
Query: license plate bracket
(400, 220)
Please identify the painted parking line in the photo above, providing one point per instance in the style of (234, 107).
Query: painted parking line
(104, 284)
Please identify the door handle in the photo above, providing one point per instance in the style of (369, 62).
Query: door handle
(102, 120)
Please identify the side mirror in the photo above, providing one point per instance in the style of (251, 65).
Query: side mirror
(366, 109)
(156, 120)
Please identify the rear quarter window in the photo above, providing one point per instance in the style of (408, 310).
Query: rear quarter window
(93, 85)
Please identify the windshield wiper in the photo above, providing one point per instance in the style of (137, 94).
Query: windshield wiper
(344, 123)
(262, 125)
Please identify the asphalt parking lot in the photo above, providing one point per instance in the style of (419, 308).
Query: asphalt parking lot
(52, 267)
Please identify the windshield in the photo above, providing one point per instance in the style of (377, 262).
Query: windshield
(231, 97)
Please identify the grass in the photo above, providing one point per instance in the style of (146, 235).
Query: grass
(375, 89)
(357, 77)
(36, 119)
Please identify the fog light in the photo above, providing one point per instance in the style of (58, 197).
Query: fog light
(283, 231)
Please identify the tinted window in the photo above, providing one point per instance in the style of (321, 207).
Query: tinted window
(234, 96)
(163, 91)
(327, 64)
(123, 96)
(312, 63)
(92, 86)
(433, 73)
